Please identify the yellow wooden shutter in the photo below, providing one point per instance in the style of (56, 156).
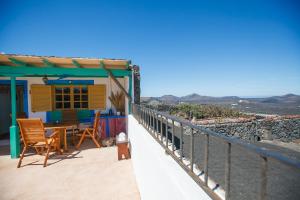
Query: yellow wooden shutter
(41, 98)
(97, 96)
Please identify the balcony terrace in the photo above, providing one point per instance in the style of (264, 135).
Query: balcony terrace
(156, 170)
(89, 173)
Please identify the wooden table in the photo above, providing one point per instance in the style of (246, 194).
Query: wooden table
(63, 129)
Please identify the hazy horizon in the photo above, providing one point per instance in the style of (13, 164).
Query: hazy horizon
(254, 96)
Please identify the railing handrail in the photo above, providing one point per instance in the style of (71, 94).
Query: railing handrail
(149, 118)
(258, 150)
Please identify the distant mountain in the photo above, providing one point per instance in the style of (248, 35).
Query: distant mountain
(286, 104)
(169, 98)
(196, 98)
(285, 99)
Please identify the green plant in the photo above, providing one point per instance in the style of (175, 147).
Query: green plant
(118, 101)
(203, 111)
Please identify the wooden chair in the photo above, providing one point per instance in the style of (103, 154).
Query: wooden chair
(90, 132)
(33, 134)
(70, 116)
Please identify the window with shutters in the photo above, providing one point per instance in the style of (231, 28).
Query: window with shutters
(79, 97)
(67, 97)
(41, 98)
(97, 96)
(71, 97)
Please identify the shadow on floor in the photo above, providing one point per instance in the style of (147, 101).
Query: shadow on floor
(54, 157)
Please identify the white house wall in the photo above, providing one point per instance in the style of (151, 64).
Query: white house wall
(110, 86)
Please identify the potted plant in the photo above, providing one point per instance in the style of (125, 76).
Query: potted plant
(118, 101)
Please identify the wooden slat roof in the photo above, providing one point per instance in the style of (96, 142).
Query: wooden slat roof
(65, 62)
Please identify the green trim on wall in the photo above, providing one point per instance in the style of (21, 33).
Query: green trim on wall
(53, 116)
(56, 115)
(58, 71)
(84, 115)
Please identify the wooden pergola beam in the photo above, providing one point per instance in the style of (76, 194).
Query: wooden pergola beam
(76, 63)
(17, 62)
(48, 63)
(102, 65)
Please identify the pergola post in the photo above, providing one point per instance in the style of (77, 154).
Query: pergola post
(130, 93)
(14, 131)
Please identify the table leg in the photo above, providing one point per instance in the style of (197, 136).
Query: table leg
(65, 140)
(58, 141)
(73, 136)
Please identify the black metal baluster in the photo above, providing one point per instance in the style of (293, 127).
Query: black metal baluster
(173, 129)
(206, 160)
(227, 171)
(161, 128)
(192, 150)
(264, 180)
(181, 142)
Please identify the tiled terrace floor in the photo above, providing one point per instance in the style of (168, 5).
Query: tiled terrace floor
(90, 173)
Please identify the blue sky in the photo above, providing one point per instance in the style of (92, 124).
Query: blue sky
(217, 48)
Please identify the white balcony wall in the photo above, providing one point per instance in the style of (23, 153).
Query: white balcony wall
(158, 175)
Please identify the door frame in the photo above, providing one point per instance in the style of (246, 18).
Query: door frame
(23, 83)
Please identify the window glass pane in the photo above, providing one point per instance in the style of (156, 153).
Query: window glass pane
(58, 90)
(67, 105)
(84, 97)
(58, 97)
(76, 104)
(76, 90)
(66, 90)
(78, 100)
(84, 90)
(76, 97)
(84, 105)
(67, 98)
(58, 105)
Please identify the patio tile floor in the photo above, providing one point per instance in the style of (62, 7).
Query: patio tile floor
(90, 173)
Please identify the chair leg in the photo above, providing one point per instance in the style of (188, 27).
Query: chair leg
(22, 156)
(73, 137)
(94, 139)
(81, 140)
(47, 155)
(96, 142)
(38, 151)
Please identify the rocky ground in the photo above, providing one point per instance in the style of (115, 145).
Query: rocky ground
(275, 128)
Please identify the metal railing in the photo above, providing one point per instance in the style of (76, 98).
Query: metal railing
(158, 123)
